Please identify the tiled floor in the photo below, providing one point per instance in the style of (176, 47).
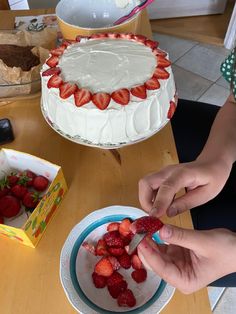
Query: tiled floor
(197, 74)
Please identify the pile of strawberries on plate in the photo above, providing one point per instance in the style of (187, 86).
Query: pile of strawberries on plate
(20, 190)
(112, 250)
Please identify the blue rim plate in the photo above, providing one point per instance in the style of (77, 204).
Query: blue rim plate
(76, 266)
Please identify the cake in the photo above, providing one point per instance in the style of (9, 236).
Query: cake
(17, 56)
(108, 90)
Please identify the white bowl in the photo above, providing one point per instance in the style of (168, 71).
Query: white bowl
(86, 17)
(76, 266)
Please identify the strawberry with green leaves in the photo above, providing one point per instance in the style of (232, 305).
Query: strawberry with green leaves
(31, 199)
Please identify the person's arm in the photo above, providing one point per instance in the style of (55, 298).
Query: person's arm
(221, 142)
(203, 178)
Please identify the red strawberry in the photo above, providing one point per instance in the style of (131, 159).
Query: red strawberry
(51, 71)
(159, 52)
(121, 96)
(160, 73)
(114, 262)
(152, 44)
(140, 38)
(113, 238)
(114, 279)
(136, 262)
(113, 226)
(27, 177)
(127, 239)
(1, 220)
(116, 289)
(19, 190)
(101, 248)
(67, 89)
(4, 188)
(40, 183)
(54, 81)
(89, 247)
(58, 51)
(126, 35)
(104, 267)
(9, 206)
(162, 62)
(52, 61)
(99, 35)
(31, 199)
(116, 251)
(139, 91)
(124, 227)
(126, 298)
(124, 260)
(82, 96)
(146, 224)
(113, 35)
(139, 275)
(12, 179)
(152, 83)
(101, 100)
(4, 191)
(99, 281)
(171, 110)
(68, 42)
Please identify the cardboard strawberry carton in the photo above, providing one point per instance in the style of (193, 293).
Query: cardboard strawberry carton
(40, 197)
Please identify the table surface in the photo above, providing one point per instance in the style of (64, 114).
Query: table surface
(30, 280)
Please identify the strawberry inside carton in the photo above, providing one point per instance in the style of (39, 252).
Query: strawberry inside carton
(31, 190)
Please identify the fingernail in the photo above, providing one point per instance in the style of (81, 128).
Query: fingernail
(154, 211)
(172, 211)
(166, 232)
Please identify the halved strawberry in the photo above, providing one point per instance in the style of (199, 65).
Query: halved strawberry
(67, 89)
(82, 96)
(136, 262)
(113, 226)
(101, 100)
(159, 52)
(101, 248)
(163, 62)
(89, 247)
(124, 227)
(152, 83)
(99, 35)
(121, 96)
(140, 38)
(51, 71)
(171, 110)
(52, 61)
(113, 35)
(99, 281)
(152, 44)
(58, 51)
(139, 275)
(139, 91)
(126, 35)
(104, 267)
(126, 298)
(116, 251)
(54, 81)
(160, 73)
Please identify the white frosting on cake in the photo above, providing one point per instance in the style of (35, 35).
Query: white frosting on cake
(81, 63)
(107, 65)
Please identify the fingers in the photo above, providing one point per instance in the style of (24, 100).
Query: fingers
(187, 238)
(153, 259)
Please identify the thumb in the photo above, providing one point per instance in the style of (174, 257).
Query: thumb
(187, 238)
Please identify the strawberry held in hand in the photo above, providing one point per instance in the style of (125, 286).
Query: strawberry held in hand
(146, 224)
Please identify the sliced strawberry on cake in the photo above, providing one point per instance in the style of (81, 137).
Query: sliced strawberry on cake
(121, 96)
(101, 100)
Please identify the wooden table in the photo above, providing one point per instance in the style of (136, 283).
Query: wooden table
(29, 281)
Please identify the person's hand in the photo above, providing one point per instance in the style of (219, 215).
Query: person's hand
(203, 180)
(192, 259)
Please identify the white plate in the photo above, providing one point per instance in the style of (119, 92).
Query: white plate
(76, 267)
